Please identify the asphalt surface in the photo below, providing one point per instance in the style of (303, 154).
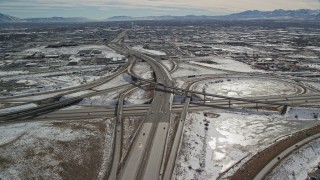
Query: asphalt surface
(145, 156)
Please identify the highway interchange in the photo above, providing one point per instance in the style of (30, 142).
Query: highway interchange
(149, 157)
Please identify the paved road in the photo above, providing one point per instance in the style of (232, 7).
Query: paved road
(71, 89)
(145, 157)
(118, 136)
(168, 167)
(100, 111)
(43, 109)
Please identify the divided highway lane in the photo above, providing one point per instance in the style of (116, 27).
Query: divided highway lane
(118, 135)
(168, 166)
(145, 157)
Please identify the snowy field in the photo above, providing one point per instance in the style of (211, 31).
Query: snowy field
(186, 69)
(148, 51)
(298, 164)
(77, 94)
(12, 73)
(69, 50)
(215, 141)
(138, 96)
(120, 80)
(314, 85)
(17, 108)
(303, 113)
(168, 64)
(180, 83)
(143, 70)
(247, 87)
(223, 64)
(55, 150)
(110, 98)
(45, 82)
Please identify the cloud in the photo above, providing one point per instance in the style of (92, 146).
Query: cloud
(213, 6)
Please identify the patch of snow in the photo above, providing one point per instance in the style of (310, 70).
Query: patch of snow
(143, 70)
(10, 133)
(17, 108)
(27, 82)
(180, 83)
(77, 94)
(10, 73)
(105, 99)
(227, 64)
(120, 80)
(186, 69)
(314, 84)
(168, 64)
(137, 97)
(296, 113)
(148, 51)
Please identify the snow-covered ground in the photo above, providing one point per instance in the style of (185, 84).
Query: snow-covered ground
(186, 69)
(138, 96)
(298, 164)
(180, 83)
(148, 51)
(56, 149)
(120, 80)
(215, 141)
(168, 64)
(35, 97)
(247, 87)
(226, 64)
(11, 73)
(77, 94)
(110, 98)
(17, 108)
(142, 70)
(303, 113)
(68, 50)
(314, 85)
(45, 82)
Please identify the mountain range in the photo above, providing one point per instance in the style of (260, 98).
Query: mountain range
(304, 14)
(11, 19)
(251, 14)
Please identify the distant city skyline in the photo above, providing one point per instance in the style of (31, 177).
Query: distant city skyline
(102, 9)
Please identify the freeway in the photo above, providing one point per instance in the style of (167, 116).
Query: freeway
(146, 154)
(118, 135)
(168, 166)
(43, 109)
(145, 157)
(100, 111)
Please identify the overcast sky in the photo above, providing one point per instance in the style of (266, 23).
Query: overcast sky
(101, 9)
